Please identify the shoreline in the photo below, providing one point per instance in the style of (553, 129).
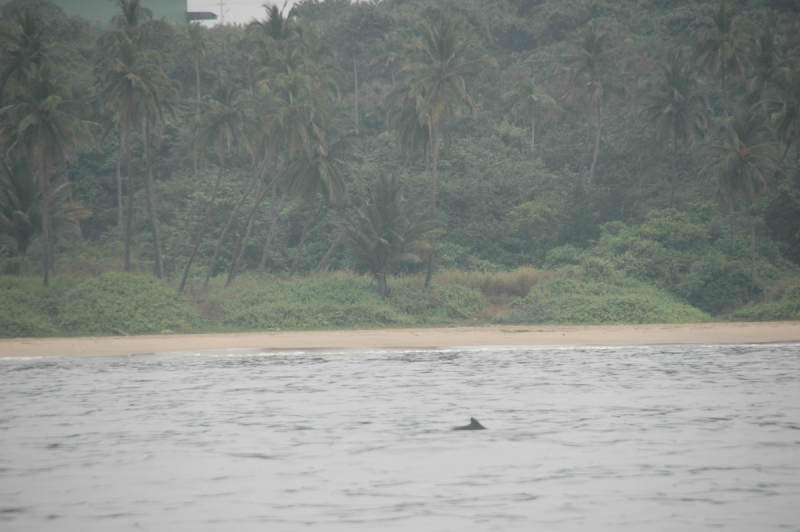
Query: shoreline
(522, 335)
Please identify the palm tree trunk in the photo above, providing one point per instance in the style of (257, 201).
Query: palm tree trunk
(242, 247)
(152, 208)
(238, 252)
(120, 216)
(752, 251)
(355, 74)
(585, 147)
(382, 279)
(258, 176)
(129, 222)
(596, 141)
(248, 232)
(329, 253)
(197, 76)
(674, 166)
(730, 215)
(275, 215)
(435, 156)
(46, 223)
(724, 92)
(788, 145)
(23, 262)
(533, 132)
(302, 237)
(205, 222)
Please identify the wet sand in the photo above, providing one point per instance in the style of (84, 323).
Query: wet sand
(539, 335)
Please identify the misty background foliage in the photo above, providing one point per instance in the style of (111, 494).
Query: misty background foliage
(551, 162)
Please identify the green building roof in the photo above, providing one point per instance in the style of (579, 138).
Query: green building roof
(100, 12)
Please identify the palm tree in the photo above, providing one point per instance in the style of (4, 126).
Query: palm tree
(21, 208)
(675, 107)
(594, 74)
(296, 125)
(388, 229)
(742, 164)
(390, 54)
(767, 70)
(132, 84)
(22, 44)
(154, 101)
(137, 23)
(273, 35)
(44, 123)
(440, 74)
(224, 124)
(527, 97)
(410, 134)
(788, 103)
(192, 43)
(323, 174)
(723, 48)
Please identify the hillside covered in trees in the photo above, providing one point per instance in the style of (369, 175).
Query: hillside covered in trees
(519, 161)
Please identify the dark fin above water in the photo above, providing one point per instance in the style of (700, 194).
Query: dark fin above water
(474, 424)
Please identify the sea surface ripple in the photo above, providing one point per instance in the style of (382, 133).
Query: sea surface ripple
(590, 438)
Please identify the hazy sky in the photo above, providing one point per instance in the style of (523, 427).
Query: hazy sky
(236, 11)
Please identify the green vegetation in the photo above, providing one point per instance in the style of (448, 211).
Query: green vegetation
(336, 303)
(134, 304)
(567, 301)
(591, 161)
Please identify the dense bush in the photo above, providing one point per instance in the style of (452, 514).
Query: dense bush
(20, 315)
(29, 309)
(687, 254)
(786, 308)
(567, 301)
(348, 302)
(134, 304)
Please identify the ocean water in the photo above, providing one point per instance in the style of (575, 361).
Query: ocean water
(591, 438)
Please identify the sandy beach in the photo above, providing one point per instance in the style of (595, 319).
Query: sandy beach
(700, 333)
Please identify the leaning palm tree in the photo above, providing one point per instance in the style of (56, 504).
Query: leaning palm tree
(44, 123)
(223, 125)
(389, 229)
(675, 106)
(722, 49)
(295, 120)
(594, 75)
(440, 73)
(527, 96)
(322, 174)
(742, 164)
